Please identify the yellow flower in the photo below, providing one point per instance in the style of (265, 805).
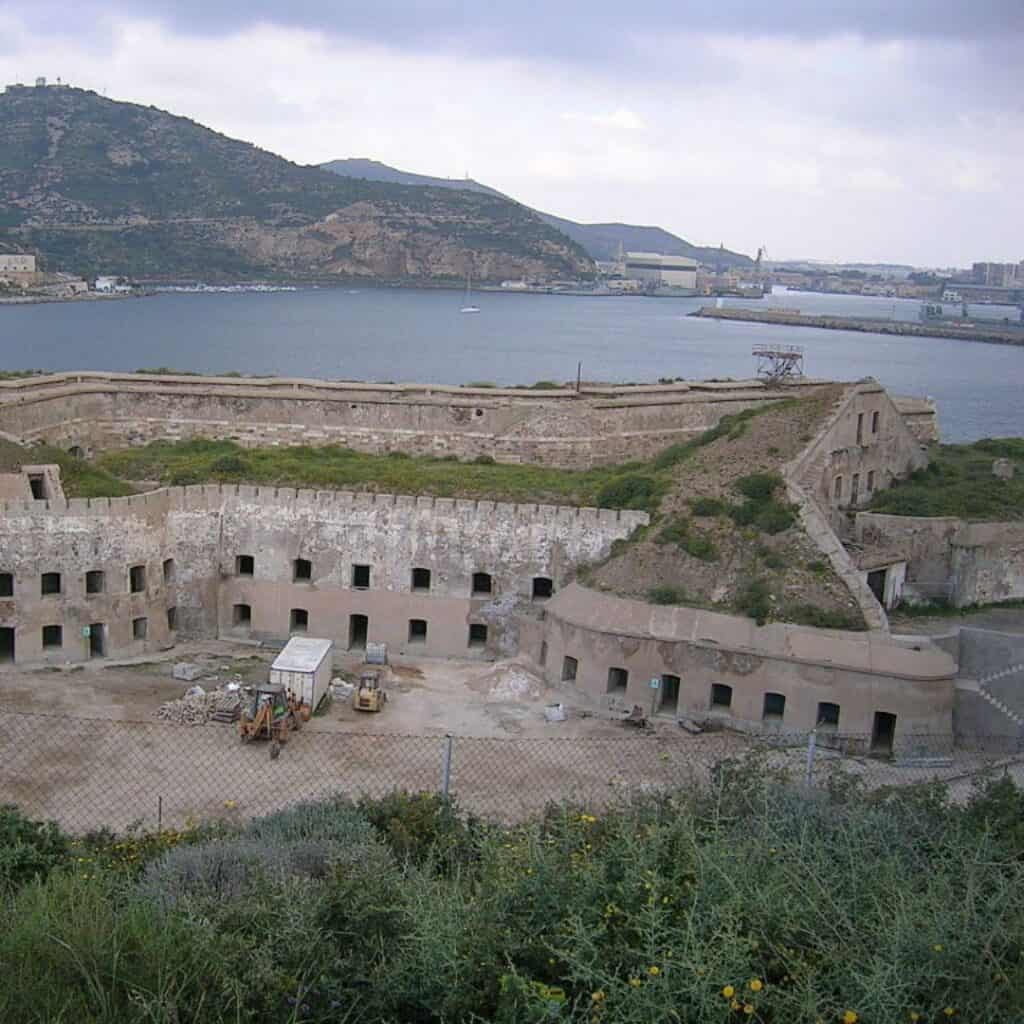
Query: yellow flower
(850, 1017)
(597, 997)
(914, 1015)
(653, 971)
(748, 1009)
(635, 982)
(937, 947)
(756, 985)
(734, 1005)
(949, 1011)
(230, 804)
(728, 991)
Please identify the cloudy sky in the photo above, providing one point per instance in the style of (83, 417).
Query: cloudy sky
(880, 130)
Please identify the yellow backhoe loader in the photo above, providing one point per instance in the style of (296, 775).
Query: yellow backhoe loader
(271, 713)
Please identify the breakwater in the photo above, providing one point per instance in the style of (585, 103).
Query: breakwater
(994, 334)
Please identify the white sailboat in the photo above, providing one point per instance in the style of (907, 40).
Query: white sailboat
(468, 307)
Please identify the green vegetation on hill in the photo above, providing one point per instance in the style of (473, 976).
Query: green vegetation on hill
(80, 479)
(99, 186)
(751, 901)
(958, 481)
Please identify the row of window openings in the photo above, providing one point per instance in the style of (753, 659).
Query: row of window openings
(53, 636)
(860, 426)
(774, 707)
(51, 583)
(837, 487)
(302, 572)
(298, 622)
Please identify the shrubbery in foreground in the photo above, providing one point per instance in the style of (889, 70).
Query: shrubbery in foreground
(752, 902)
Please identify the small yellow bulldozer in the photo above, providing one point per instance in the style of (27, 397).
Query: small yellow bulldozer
(271, 714)
(369, 694)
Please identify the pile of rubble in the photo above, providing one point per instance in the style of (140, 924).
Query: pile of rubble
(199, 706)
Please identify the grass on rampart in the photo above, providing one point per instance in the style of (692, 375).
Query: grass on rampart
(637, 485)
(749, 901)
(80, 478)
(958, 481)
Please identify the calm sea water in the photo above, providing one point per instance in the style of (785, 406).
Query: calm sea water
(412, 335)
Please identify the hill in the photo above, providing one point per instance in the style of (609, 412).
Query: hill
(601, 241)
(99, 186)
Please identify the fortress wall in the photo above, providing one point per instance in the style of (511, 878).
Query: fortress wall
(562, 428)
(861, 673)
(203, 529)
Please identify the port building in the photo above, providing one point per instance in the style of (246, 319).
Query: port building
(659, 271)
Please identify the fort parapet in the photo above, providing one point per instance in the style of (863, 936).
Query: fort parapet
(556, 427)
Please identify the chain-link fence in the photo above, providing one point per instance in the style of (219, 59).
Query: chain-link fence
(93, 773)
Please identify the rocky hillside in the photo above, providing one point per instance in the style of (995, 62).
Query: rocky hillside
(601, 241)
(725, 536)
(98, 186)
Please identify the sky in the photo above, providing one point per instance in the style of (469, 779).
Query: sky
(878, 131)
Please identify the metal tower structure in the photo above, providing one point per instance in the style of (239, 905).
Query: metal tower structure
(779, 364)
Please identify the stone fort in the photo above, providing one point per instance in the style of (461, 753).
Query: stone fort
(85, 578)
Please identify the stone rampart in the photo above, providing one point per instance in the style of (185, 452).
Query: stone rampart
(559, 427)
(262, 562)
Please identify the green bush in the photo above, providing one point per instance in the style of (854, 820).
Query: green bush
(229, 465)
(774, 517)
(700, 546)
(754, 600)
(708, 507)
(758, 486)
(823, 618)
(818, 567)
(29, 850)
(633, 490)
(666, 595)
(771, 559)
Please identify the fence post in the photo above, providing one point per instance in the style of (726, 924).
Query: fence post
(446, 764)
(812, 743)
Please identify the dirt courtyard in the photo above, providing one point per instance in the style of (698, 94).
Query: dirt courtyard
(426, 696)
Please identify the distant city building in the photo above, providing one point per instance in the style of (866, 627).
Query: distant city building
(998, 275)
(18, 268)
(17, 263)
(653, 268)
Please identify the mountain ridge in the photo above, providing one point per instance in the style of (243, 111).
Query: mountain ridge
(103, 186)
(601, 241)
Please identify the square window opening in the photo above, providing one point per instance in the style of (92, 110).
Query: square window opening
(169, 570)
(417, 631)
(302, 570)
(618, 680)
(53, 636)
(828, 715)
(542, 588)
(358, 628)
(774, 707)
(245, 565)
(241, 615)
(49, 583)
(6, 584)
(482, 584)
(140, 627)
(137, 579)
(361, 577)
(298, 620)
(477, 635)
(38, 486)
(570, 666)
(721, 697)
(420, 580)
(95, 581)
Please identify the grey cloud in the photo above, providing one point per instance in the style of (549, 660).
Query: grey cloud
(569, 30)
